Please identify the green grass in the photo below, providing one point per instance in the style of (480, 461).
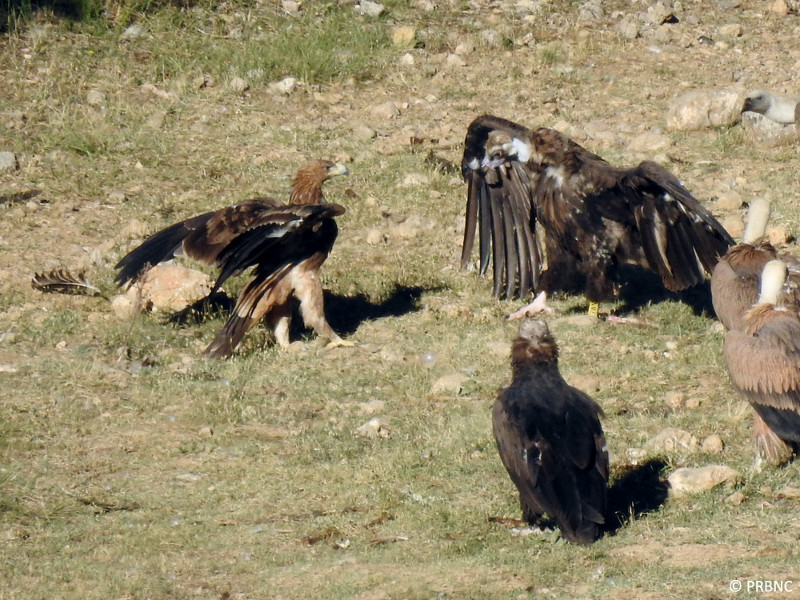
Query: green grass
(132, 468)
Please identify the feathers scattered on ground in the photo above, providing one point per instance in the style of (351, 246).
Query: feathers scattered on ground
(62, 281)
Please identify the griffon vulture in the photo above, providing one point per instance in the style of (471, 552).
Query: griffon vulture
(780, 109)
(526, 184)
(285, 244)
(550, 439)
(763, 362)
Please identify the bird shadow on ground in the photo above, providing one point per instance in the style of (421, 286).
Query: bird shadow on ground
(641, 287)
(346, 313)
(636, 491)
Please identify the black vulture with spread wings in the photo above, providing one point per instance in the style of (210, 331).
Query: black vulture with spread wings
(553, 216)
(285, 244)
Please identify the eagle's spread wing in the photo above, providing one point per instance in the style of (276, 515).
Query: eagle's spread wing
(499, 204)
(595, 217)
(202, 237)
(289, 247)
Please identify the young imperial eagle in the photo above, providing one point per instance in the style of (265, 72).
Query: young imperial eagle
(285, 244)
(524, 185)
(550, 439)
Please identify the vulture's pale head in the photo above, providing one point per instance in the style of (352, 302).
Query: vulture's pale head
(757, 219)
(772, 279)
(534, 331)
(757, 101)
(307, 184)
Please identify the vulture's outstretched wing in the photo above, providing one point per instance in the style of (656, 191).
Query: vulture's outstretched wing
(595, 217)
(500, 204)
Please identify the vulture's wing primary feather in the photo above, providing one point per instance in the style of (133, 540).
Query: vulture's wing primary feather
(595, 217)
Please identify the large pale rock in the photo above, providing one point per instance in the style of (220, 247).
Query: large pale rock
(700, 109)
(759, 127)
(8, 161)
(374, 429)
(169, 287)
(403, 36)
(449, 384)
(687, 480)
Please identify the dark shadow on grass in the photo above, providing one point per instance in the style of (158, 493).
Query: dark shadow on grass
(346, 313)
(217, 304)
(640, 287)
(636, 491)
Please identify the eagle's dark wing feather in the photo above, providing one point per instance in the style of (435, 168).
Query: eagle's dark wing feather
(309, 236)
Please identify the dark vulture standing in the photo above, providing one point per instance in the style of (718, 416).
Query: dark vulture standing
(550, 439)
(526, 184)
(764, 364)
(285, 244)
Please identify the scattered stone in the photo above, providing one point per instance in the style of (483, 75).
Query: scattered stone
(729, 201)
(454, 61)
(95, 98)
(780, 7)
(788, 492)
(628, 28)
(206, 431)
(733, 224)
(491, 38)
(285, 86)
(736, 498)
(731, 30)
(375, 236)
(404, 36)
(407, 60)
(362, 131)
(779, 235)
(157, 92)
(701, 109)
(649, 141)
(713, 444)
(465, 48)
(373, 429)
(693, 402)
(168, 286)
(415, 180)
(117, 197)
(671, 439)
(202, 81)
(451, 384)
(675, 399)
(762, 128)
(132, 32)
(238, 85)
(156, 120)
(372, 407)
(387, 110)
(687, 480)
(8, 161)
(292, 7)
(370, 9)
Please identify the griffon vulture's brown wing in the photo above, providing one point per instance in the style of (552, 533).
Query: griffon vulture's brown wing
(499, 205)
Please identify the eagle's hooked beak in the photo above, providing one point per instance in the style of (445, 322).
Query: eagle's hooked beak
(337, 169)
